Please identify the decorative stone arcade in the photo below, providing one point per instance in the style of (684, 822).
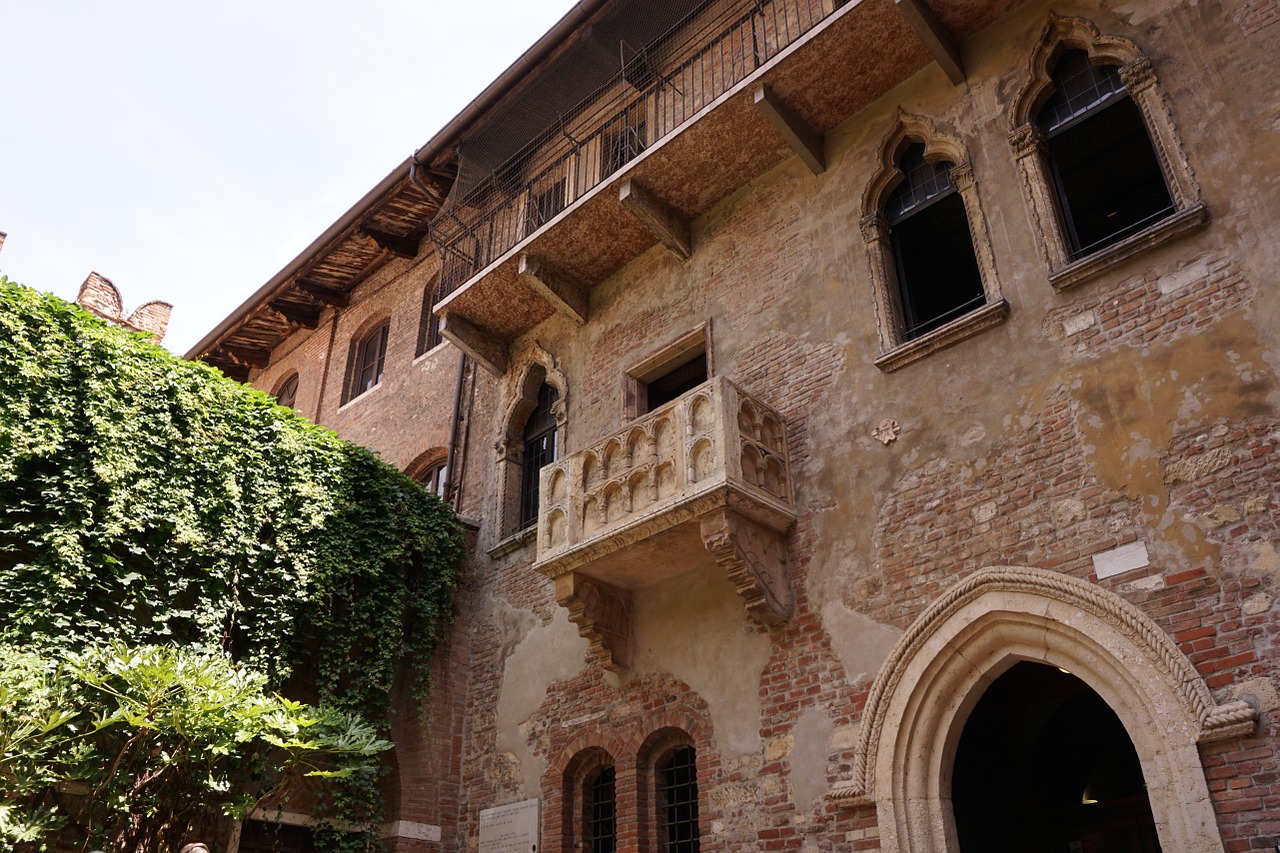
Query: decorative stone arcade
(704, 478)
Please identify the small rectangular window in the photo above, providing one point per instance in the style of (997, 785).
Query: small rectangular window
(672, 372)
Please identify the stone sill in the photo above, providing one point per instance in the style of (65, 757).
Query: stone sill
(361, 397)
(1162, 232)
(514, 542)
(944, 336)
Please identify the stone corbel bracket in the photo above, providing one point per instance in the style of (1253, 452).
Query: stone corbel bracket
(754, 557)
(602, 613)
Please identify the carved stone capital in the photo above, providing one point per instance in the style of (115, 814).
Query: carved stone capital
(1026, 140)
(873, 227)
(1137, 74)
(755, 559)
(602, 613)
(962, 176)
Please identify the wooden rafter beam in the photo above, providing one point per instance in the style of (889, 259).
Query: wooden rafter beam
(398, 245)
(299, 316)
(806, 142)
(936, 38)
(238, 372)
(489, 351)
(664, 222)
(323, 293)
(566, 295)
(247, 356)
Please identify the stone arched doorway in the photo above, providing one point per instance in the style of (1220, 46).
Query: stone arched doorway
(981, 629)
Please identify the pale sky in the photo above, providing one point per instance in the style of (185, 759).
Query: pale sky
(189, 150)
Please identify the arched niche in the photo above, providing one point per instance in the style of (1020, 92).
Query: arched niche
(979, 629)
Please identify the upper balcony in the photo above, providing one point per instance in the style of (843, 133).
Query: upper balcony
(704, 479)
(730, 92)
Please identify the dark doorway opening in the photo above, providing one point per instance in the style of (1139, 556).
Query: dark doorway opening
(1045, 766)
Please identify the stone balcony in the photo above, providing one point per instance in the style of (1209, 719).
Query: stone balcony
(704, 479)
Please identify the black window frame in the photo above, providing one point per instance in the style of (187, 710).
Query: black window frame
(600, 810)
(676, 790)
(541, 447)
(1090, 106)
(928, 223)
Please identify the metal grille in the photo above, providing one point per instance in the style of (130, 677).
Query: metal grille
(599, 826)
(539, 450)
(507, 170)
(1080, 87)
(678, 802)
(924, 182)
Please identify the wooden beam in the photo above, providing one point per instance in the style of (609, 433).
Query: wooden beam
(565, 294)
(229, 368)
(247, 356)
(936, 38)
(300, 316)
(401, 246)
(806, 142)
(667, 224)
(488, 351)
(323, 293)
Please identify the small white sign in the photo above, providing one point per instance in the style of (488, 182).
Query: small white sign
(510, 829)
(1117, 561)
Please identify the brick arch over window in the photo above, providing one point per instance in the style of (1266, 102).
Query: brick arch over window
(1030, 149)
(535, 367)
(656, 750)
(573, 773)
(429, 469)
(985, 624)
(896, 350)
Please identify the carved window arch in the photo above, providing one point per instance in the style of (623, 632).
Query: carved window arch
(921, 206)
(1078, 76)
(286, 392)
(539, 394)
(978, 630)
(368, 358)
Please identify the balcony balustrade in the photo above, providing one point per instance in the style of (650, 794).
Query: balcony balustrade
(702, 479)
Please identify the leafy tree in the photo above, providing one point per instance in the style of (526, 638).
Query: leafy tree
(149, 501)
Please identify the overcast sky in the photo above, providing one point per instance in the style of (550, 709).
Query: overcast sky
(189, 150)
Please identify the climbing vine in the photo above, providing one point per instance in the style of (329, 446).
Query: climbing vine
(148, 500)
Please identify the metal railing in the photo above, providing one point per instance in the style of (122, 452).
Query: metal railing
(656, 89)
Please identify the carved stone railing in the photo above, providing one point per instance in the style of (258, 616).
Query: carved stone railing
(703, 478)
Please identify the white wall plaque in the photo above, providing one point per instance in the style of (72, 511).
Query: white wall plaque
(510, 829)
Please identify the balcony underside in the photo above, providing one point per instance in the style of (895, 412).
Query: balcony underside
(840, 67)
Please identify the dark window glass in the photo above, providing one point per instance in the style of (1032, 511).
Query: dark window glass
(599, 812)
(429, 327)
(259, 837)
(684, 378)
(937, 269)
(677, 779)
(288, 393)
(1109, 181)
(372, 354)
(539, 449)
(622, 142)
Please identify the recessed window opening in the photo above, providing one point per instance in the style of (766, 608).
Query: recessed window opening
(1044, 764)
(1109, 181)
(540, 448)
(287, 394)
(671, 385)
(623, 141)
(435, 478)
(429, 325)
(599, 817)
(371, 356)
(677, 789)
(937, 269)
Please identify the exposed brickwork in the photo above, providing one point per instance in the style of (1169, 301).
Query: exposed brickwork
(1140, 313)
(1256, 14)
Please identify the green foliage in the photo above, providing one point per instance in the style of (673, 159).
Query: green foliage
(149, 500)
(158, 741)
